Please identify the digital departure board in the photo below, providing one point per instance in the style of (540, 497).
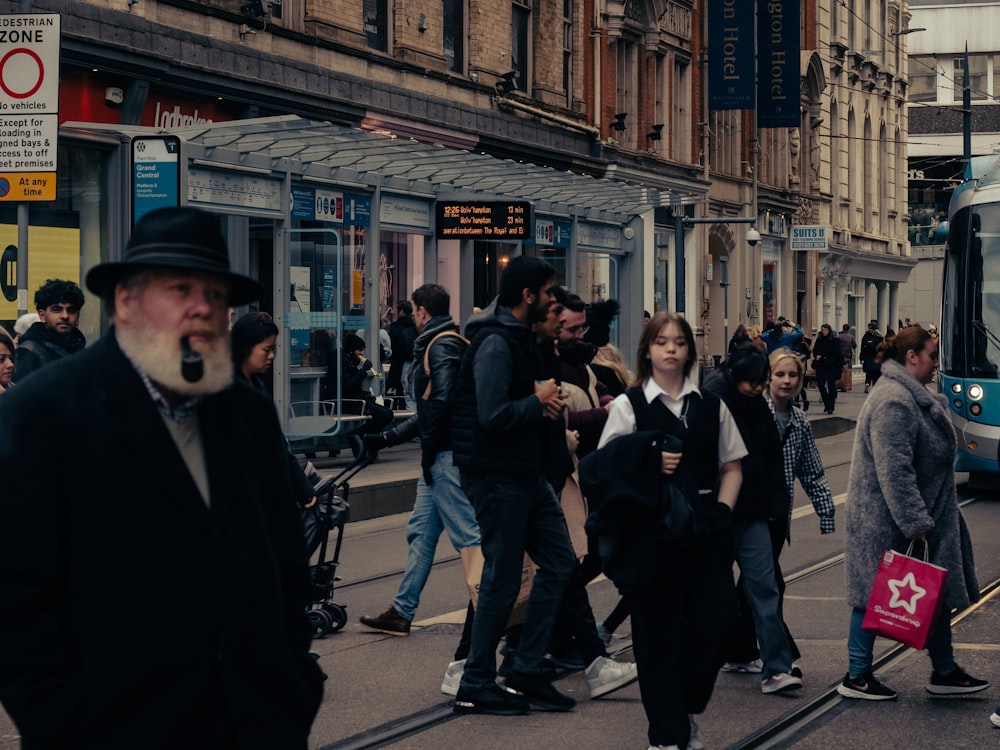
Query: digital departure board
(493, 220)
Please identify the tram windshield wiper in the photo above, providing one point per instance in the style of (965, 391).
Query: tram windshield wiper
(989, 334)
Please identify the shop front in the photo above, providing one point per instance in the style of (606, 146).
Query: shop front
(340, 225)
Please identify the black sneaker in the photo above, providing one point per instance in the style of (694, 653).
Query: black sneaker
(493, 700)
(539, 692)
(866, 688)
(957, 682)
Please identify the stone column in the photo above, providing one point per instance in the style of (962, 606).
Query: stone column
(883, 308)
(894, 303)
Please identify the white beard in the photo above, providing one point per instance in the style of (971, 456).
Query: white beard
(158, 354)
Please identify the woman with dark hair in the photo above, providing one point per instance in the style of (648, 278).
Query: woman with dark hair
(829, 366)
(252, 342)
(763, 498)
(680, 594)
(6, 360)
(901, 490)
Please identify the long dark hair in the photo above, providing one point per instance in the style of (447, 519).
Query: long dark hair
(247, 332)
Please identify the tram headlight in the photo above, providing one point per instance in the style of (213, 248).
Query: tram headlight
(956, 388)
(976, 409)
(975, 392)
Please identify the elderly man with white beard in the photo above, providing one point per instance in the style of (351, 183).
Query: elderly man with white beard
(153, 573)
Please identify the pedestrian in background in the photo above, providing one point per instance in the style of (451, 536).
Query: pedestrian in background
(56, 334)
(252, 341)
(681, 597)
(22, 324)
(869, 361)
(6, 361)
(440, 505)
(402, 334)
(801, 460)
(847, 346)
(174, 501)
(829, 366)
(901, 489)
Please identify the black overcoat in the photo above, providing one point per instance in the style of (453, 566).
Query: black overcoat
(131, 614)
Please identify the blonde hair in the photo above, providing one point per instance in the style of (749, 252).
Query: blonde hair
(784, 353)
(754, 331)
(610, 356)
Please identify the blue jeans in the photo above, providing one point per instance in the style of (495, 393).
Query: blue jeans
(441, 506)
(752, 547)
(517, 514)
(861, 645)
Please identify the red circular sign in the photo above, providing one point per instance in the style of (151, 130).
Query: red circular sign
(35, 86)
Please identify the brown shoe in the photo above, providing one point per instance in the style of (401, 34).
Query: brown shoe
(389, 622)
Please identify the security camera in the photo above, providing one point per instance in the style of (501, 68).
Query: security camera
(753, 236)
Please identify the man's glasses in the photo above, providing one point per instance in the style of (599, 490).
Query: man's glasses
(577, 329)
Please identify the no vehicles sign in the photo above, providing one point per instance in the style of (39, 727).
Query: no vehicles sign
(29, 106)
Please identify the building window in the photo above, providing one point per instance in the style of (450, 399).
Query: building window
(627, 86)
(923, 75)
(978, 82)
(454, 35)
(520, 41)
(376, 24)
(568, 50)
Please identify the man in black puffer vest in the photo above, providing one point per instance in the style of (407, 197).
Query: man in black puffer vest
(498, 431)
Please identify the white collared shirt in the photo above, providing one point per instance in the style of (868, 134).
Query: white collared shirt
(621, 419)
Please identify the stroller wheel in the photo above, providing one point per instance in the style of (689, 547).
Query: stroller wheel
(321, 622)
(338, 616)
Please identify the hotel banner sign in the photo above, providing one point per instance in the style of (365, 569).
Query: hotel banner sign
(731, 54)
(778, 64)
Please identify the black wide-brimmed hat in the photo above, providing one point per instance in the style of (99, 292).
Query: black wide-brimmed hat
(179, 237)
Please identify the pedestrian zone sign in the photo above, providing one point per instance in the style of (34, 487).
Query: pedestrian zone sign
(29, 106)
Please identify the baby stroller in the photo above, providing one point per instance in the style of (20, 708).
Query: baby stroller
(331, 511)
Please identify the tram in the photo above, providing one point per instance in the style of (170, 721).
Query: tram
(970, 319)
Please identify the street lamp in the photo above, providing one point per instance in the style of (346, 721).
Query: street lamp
(904, 32)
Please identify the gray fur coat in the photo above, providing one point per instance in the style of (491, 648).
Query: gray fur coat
(902, 484)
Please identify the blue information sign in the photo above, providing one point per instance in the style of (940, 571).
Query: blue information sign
(156, 176)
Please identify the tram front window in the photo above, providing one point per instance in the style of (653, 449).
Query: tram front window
(984, 290)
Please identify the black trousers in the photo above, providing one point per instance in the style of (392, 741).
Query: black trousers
(679, 629)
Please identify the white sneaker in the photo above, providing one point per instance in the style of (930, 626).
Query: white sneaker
(745, 667)
(664, 747)
(780, 683)
(453, 677)
(995, 717)
(694, 742)
(605, 675)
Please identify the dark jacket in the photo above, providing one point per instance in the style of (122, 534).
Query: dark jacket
(351, 373)
(302, 488)
(587, 395)
(869, 348)
(763, 494)
(497, 424)
(623, 482)
(432, 422)
(40, 346)
(402, 334)
(826, 357)
(140, 615)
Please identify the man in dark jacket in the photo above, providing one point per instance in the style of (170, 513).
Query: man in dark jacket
(440, 505)
(156, 585)
(498, 437)
(56, 334)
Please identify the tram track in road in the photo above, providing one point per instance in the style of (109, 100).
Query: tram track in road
(794, 725)
(786, 728)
